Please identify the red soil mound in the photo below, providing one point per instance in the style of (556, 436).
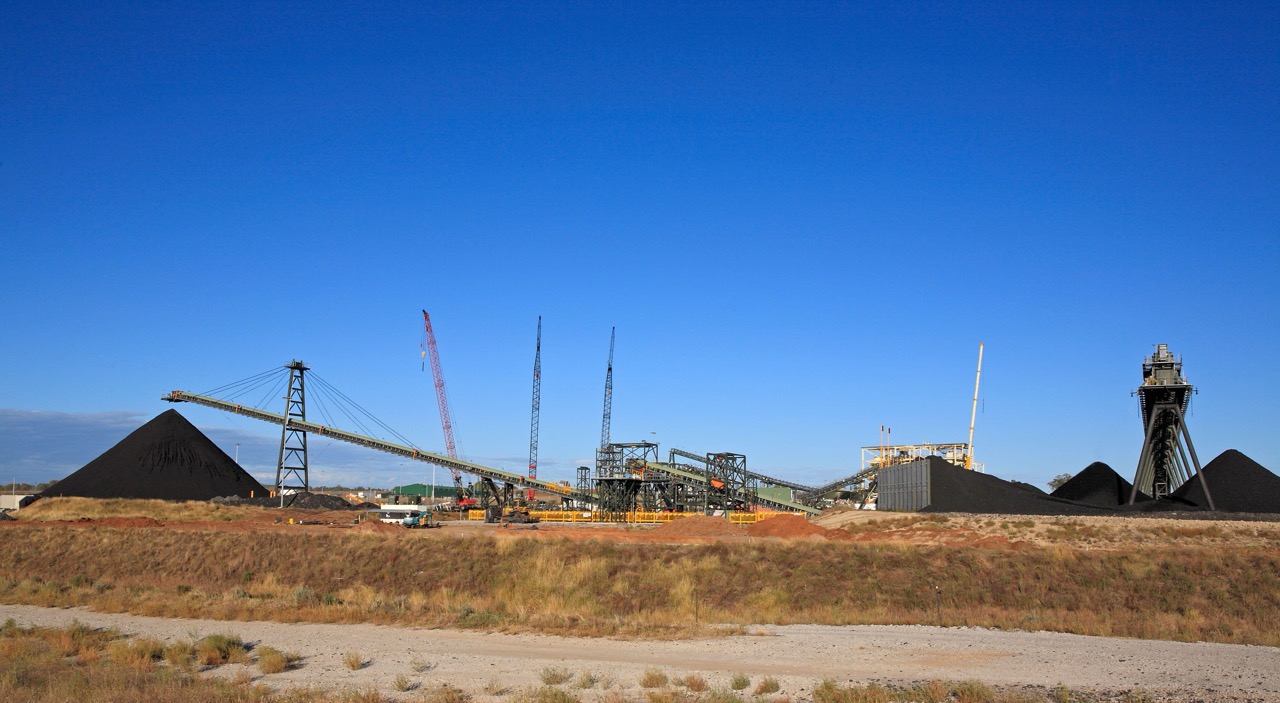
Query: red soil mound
(698, 526)
(787, 526)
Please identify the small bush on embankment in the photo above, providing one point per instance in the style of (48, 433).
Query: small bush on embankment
(648, 589)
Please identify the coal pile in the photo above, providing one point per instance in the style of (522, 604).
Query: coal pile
(167, 458)
(301, 500)
(957, 490)
(1237, 483)
(1098, 484)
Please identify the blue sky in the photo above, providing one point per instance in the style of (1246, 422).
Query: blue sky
(802, 220)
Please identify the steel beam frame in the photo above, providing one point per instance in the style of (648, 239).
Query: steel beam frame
(292, 461)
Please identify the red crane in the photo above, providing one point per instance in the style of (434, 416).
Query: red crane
(442, 399)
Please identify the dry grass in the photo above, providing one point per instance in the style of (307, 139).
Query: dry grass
(600, 588)
(767, 685)
(274, 661)
(554, 676)
(47, 509)
(446, 694)
(653, 678)
(694, 683)
(739, 682)
(354, 661)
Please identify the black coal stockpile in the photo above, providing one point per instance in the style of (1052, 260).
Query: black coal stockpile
(1237, 483)
(957, 490)
(166, 458)
(306, 501)
(1098, 484)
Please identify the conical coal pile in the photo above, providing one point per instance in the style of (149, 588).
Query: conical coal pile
(1237, 483)
(167, 458)
(1098, 484)
(954, 489)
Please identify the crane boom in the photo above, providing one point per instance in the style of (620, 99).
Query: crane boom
(968, 452)
(608, 394)
(451, 463)
(442, 399)
(537, 402)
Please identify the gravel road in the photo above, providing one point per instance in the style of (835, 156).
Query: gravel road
(799, 656)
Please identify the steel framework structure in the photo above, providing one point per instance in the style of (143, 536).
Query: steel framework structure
(620, 475)
(729, 485)
(292, 461)
(1163, 400)
(537, 402)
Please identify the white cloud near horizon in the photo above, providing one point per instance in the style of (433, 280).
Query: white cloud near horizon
(38, 446)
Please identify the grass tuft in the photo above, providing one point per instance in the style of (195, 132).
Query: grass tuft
(554, 676)
(445, 693)
(354, 661)
(767, 685)
(740, 682)
(274, 661)
(695, 683)
(653, 678)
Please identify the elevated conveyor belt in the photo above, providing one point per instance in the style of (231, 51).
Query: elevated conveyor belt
(382, 446)
(823, 490)
(760, 477)
(689, 474)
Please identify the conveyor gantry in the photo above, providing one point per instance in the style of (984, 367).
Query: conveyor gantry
(383, 446)
(759, 477)
(815, 493)
(691, 476)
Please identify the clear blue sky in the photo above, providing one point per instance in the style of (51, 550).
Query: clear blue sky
(802, 219)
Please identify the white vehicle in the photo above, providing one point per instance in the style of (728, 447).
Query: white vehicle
(395, 514)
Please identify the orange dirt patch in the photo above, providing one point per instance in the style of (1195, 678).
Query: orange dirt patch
(699, 526)
(787, 527)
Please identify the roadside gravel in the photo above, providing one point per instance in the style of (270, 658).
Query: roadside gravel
(798, 656)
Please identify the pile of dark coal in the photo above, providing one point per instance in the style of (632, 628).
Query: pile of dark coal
(167, 458)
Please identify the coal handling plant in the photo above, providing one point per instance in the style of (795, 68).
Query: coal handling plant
(1168, 477)
(169, 458)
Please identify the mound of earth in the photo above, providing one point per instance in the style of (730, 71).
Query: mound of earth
(167, 458)
(1237, 483)
(785, 526)
(957, 490)
(698, 526)
(1098, 484)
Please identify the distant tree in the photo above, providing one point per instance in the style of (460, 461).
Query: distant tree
(1056, 482)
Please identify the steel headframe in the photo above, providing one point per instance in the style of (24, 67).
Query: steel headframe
(730, 487)
(292, 462)
(621, 470)
(1163, 400)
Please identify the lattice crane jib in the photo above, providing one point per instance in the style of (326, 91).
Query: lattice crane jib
(608, 394)
(537, 401)
(442, 398)
(1168, 458)
(292, 465)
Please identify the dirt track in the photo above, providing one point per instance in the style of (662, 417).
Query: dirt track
(798, 656)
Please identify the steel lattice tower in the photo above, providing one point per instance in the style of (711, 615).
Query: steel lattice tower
(608, 394)
(293, 440)
(1163, 399)
(537, 401)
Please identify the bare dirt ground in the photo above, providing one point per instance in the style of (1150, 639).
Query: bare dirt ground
(798, 656)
